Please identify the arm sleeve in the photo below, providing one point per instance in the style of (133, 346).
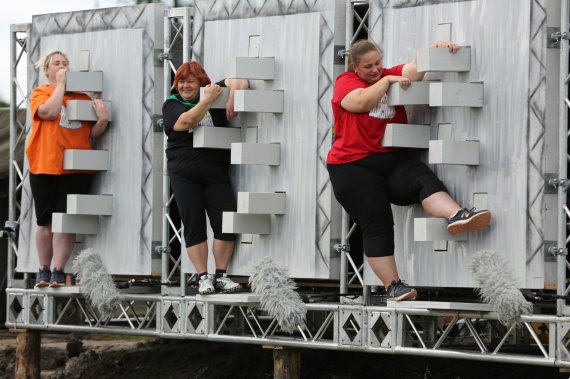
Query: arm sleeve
(219, 115)
(171, 110)
(396, 70)
(39, 96)
(344, 85)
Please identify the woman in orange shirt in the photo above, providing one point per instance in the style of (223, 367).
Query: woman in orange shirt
(52, 133)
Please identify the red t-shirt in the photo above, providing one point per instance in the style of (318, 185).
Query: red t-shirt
(358, 135)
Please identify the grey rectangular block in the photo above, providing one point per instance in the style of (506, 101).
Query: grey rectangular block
(250, 68)
(416, 94)
(80, 81)
(76, 159)
(233, 222)
(258, 101)
(434, 229)
(406, 135)
(216, 137)
(220, 102)
(454, 152)
(261, 202)
(456, 94)
(256, 153)
(82, 110)
(77, 224)
(83, 61)
(433, 59)
(99, 205)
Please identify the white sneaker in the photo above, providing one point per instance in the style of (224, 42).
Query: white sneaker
(224, 284)
(206, 285)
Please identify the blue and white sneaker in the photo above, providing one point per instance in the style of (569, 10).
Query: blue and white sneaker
(399, 291)
(43, 278)
(57, 278)
(468, 220)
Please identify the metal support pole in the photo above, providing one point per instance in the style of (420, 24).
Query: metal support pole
(187, 35)
(165, 255)
(13, 174)
(562, 160)
(344, 221)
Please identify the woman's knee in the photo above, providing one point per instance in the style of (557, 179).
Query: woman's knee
(378, 241)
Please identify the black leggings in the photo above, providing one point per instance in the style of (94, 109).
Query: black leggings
(203, 187)
(365, 188)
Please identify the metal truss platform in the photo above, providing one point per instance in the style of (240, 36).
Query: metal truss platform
(440, 329)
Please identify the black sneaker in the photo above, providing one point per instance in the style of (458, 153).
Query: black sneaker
(44, 277)
(57, 278)
(468, 220)
(399, 291)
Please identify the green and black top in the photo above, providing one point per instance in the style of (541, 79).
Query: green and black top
(180, 151)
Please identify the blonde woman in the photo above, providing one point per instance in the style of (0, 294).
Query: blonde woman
(52, 133)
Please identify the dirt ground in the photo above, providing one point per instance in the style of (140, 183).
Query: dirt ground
(72, 356)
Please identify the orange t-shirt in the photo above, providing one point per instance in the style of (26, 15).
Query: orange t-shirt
(49, 138)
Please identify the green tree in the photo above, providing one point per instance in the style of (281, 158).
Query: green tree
(4, 104)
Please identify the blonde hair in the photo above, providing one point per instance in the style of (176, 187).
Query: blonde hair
(358, 49)
(45, 59)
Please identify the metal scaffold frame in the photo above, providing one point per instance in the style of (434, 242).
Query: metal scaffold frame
(177, 29)
(19, 34)
(451, 333)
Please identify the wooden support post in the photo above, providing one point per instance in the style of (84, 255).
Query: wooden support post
(28, 345)
(286, 363)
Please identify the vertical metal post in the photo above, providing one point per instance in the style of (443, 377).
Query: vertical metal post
(562, 160)
(13, 174)
(186, 35)
(165, 256)
(186, 49)
(344, 221)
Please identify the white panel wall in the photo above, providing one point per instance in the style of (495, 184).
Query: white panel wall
(500, 125)
(123, 239)
(295, 130)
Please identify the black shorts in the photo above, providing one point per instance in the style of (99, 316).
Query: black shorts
(367, 187)
(50, 193)
(202, 188)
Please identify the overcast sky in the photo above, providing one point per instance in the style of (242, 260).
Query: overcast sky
(21, 11)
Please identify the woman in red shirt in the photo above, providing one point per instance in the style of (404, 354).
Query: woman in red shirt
(368, 177)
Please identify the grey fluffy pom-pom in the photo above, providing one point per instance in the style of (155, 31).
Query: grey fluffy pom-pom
(278, 295)
(95, 281)
(497, 286)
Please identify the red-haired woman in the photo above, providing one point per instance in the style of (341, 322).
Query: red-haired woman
(199, 177)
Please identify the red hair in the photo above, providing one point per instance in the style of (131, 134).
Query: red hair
(194, 69)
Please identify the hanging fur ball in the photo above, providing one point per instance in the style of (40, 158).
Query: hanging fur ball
(497, 287)
(95, 281)
(278, 295)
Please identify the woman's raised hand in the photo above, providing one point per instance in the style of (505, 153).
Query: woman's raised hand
(101, 110)
(211, 92)
(451, 46)
(60, 75)
(404, 82)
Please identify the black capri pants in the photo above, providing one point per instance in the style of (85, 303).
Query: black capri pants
(50, 193)
(367, 187)
(202, 187)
